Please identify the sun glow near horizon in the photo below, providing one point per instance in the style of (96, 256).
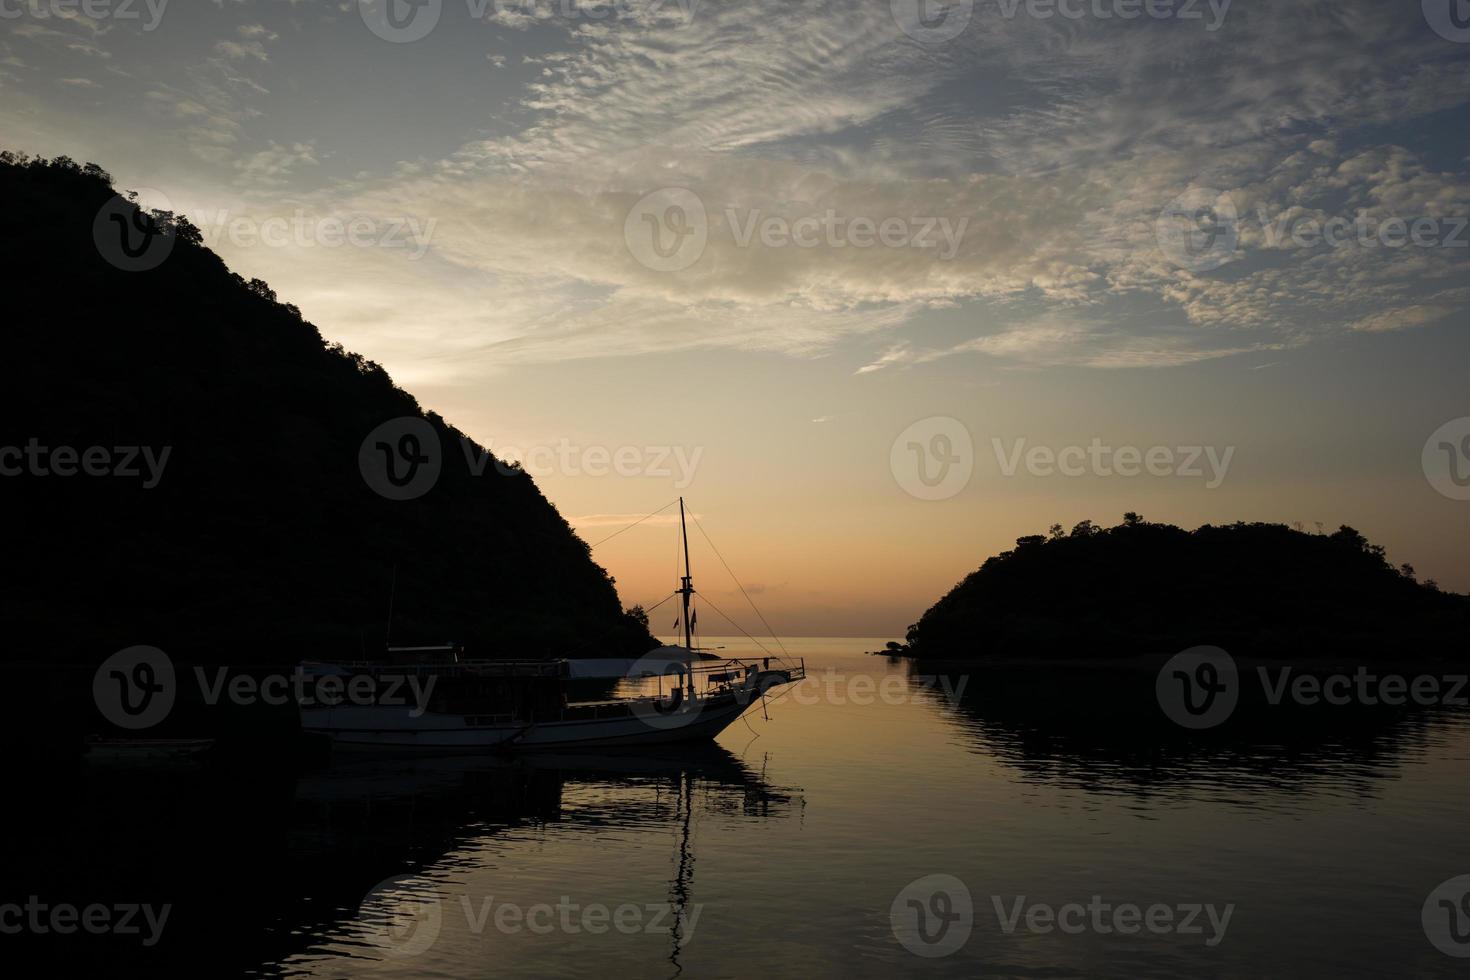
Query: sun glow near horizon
(1015, 233)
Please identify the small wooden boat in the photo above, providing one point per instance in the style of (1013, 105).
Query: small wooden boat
(678, 694)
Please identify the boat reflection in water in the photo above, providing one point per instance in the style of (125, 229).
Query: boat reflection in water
(269, 874)
(465, 803)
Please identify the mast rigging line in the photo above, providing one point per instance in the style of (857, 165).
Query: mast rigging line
(735, 624)
(633, 525)
(748, 599)
(687, 588)
(660, 602)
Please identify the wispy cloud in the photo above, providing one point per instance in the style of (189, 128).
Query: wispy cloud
(1047, 150)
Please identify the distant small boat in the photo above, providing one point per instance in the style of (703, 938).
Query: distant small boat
(512, 705)
(145, 751)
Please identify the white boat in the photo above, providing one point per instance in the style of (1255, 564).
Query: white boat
(677, 694)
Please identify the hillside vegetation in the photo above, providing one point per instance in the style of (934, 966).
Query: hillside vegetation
(261, 541)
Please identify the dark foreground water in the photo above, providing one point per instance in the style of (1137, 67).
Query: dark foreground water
(880, 823)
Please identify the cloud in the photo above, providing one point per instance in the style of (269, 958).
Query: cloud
(807, 117)
(1088, 344)
(242, 50)
(893, 356)
(1027, 164)
(1401, 319)
(274, 163)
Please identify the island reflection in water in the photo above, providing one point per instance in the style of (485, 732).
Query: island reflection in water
(1102, 730)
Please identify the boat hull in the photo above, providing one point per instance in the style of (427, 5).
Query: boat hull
(375, 729)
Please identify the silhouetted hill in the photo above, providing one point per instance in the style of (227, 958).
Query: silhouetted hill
(1141, 588)
(263, 540)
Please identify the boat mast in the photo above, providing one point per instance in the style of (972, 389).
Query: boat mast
(686, 589)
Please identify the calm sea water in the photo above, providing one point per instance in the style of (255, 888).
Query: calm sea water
(803, 844)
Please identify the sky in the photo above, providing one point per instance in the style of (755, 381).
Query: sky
(878, 287)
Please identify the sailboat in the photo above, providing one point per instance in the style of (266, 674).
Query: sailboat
(680, 694)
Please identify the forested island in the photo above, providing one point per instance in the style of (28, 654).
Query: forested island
(1143, 588)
